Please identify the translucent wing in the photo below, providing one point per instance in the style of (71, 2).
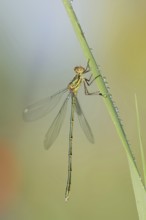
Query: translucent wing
(54, 130)
(83, 122)
(42, 107)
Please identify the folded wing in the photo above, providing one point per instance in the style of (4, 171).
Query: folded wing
(54, 130)
(83, 122)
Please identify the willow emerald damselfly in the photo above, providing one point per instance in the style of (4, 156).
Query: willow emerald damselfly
(44, 106)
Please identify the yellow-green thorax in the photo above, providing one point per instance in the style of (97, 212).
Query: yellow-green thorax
(74, 85)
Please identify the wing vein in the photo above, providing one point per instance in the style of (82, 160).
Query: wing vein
(54, 129)
(41, 108)
(83, 122)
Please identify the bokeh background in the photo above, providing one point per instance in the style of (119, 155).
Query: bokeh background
(38, 53)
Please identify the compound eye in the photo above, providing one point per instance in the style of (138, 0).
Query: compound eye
(76, 69)
(79, 69)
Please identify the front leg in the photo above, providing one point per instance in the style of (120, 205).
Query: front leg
(90, 93)
(89, 82)
(87, 69)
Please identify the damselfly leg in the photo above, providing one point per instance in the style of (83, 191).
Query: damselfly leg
(88, 82)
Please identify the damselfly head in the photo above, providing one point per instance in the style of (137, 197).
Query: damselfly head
(79, 69)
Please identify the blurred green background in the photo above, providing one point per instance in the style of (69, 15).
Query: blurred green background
(38, 53)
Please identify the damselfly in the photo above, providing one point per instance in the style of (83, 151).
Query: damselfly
(43, 107)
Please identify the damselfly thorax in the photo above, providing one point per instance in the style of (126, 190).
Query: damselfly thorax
(74, 85)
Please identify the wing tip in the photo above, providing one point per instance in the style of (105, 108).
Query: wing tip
(91, 138)
(24, 114)
(46, 144)
(26, 117)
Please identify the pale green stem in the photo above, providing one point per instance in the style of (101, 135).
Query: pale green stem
(100, 81)
(140, 141)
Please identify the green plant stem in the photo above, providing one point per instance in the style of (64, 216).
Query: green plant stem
(138, 186)
(140, 141)
(100, 82)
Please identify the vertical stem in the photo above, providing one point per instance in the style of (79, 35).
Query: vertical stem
(140, 141)
(100, 82)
